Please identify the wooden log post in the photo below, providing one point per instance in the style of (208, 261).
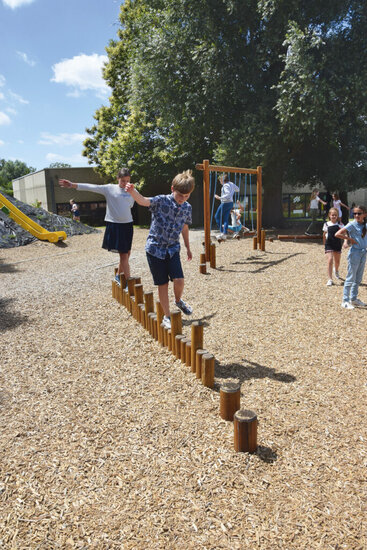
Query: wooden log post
(149, 306)
(178, 345)
(159, 310)
(197, 341)
(142, 314)
(202, 269)
(230, 396)
(213, 261)
(183, 349)
(176, 328)
(263, 236)
(207, 370)
(154, 326)
(121, 288)
(202, 258)
(198, 362)
(150, 322)
(169, 339)
(254, 243)
(114, 284)
(188, 353)
(245, 431)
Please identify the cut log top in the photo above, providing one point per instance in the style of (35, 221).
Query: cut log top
(230, 387)
(245, 415)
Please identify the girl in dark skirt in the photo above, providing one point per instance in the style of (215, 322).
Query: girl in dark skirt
(119, 222)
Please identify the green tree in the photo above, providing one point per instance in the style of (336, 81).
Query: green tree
(59, 165)
(10, 170)
(242, 82)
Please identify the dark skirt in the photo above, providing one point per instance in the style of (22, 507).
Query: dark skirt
(118, 237)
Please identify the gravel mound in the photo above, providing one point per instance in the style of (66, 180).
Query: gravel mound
(12, 234)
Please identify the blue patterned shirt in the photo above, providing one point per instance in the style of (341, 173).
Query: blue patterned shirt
(168, 219)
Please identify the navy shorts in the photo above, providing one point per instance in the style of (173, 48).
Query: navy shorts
(118, 237)
(164, 270)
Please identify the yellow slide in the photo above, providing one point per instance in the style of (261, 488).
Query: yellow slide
(29, 225)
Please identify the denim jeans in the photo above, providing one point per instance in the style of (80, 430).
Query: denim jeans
(312, 228)
(356, 263)
(222, 216)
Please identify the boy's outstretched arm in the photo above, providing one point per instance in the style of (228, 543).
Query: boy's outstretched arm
(185, 236)
(143, 201)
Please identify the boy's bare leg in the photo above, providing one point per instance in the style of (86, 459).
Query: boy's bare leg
(163, 298)
(178, 288)
(124, 266)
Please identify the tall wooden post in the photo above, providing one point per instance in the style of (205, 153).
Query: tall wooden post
(245, 431)
(207, 370)
(197, 340)
(176, 328)
(206, 192)
(259, 205)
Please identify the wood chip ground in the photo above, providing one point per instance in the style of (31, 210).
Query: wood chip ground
(109, 442)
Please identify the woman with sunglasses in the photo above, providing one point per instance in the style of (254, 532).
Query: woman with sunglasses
(355, 234)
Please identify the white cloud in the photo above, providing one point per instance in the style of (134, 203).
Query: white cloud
(82, 72)
(1, 95)
(11, 111)
(16, 3)
(26, 59)
(18, 98)
(61, 139)
(2, 142)
(4, 119)
(2, 80)
(74, 160)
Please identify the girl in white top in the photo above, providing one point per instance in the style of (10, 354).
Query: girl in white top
(226, 205)
(333, 246)
(119, 222)
(314, 211)
(337, 203)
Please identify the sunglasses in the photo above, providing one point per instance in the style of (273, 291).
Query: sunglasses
(358, 213)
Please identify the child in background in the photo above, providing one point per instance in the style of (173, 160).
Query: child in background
(119, 222)
(337, 203)
(314, 211)
(226, 205)
(236, 226)
(355, 233)
(74, 211)
(333, 246)
(171, 216)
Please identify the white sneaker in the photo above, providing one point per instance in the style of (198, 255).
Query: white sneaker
(245, 229)
(329, 283)
(336, 273)
(347, 305)
(166, 322)
(357, 302)
(221, 237)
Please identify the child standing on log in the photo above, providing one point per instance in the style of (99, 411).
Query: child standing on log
(333, 246)
(171, 217)
(355, 234)
(119, 222)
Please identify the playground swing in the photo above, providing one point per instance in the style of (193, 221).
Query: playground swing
(259, 239)
(247, 201)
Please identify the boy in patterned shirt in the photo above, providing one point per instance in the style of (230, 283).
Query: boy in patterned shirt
(171, 216)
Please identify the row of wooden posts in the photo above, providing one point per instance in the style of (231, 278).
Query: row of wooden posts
(191, 352)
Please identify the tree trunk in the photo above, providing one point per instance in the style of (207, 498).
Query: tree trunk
(272, 215)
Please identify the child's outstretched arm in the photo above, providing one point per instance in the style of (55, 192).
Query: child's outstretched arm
(67, 183)
(185, 236)
(143, 201)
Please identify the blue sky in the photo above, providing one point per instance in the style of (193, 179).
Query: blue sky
(51, 54)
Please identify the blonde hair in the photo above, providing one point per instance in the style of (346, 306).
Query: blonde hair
(184, 182)
(314, 193)
(333, 210)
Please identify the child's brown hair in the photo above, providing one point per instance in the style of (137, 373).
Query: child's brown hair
(364, 210)
(184, 182)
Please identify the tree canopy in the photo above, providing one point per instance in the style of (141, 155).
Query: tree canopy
(242, 82)
(10, 170)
